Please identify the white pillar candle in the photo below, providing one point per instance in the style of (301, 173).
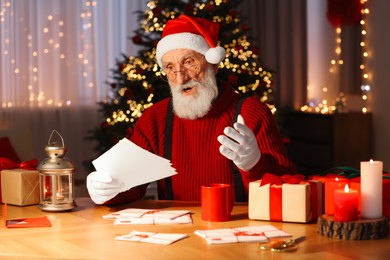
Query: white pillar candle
(371, 189)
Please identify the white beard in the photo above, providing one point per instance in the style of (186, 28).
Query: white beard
(199, 104)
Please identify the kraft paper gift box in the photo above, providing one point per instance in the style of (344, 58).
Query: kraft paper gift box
(20, 187)
(300, 202)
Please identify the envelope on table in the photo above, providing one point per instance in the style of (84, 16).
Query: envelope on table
(147, 213)
(185, 219)
(150, 216)
(25, 222)
(241, 234)
(28, 222)
(151, 237)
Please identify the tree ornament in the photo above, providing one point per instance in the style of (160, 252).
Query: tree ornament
(137, 39)
(245, 27)
(344, 12)
(233, 79)
(210, 7)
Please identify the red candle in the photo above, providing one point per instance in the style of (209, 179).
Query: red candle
(330, 186)
(346, 204)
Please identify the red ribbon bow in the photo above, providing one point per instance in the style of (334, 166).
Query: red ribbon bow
(270, 178)
(6, 164)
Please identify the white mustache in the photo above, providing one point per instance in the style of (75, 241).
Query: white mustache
(189, 84)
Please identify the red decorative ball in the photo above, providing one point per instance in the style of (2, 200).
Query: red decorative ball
(209, 7)
(121, 66)
(244, 27)
(233, 79)
(129, 95)
(139, 71)
(189, 9)
(255, 50)
(233, 13)
(137, 39)
(238, 47)
(157, 11)
(346, 12)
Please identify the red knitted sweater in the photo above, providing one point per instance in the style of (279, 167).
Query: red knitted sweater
(195, 149)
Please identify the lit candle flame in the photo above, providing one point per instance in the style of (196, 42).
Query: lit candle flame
(346, 188)
(371, 161)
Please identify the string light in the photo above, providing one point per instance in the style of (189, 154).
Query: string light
(323, 107)
(365, 89)
(52, 23)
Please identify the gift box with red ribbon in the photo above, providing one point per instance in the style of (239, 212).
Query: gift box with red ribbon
(287, 198)
(19, 182)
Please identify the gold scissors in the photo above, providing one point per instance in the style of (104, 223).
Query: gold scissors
(283, 245)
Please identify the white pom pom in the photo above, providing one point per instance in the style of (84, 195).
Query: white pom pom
(215, 55)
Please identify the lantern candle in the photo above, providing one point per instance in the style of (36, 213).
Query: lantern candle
(371, 189)
(346, 204)
(330, 187)
(56, 179)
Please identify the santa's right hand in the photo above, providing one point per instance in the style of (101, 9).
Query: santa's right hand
(101, 188)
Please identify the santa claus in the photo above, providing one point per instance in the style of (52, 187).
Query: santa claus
(201, 128)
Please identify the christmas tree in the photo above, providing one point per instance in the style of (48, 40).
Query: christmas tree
(138, 82)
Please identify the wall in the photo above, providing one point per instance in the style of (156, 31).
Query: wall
(378, 43)
(378, 66)
(278, 28)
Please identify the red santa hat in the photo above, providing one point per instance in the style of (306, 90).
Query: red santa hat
(194, 33)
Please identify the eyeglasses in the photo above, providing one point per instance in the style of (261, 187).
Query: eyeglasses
(190, 67)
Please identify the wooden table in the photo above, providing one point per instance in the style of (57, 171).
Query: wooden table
(84, 234)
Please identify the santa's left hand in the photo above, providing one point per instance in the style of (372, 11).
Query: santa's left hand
(239, 144)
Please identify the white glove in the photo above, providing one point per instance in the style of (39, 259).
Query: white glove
(240, 145)
(101, 188)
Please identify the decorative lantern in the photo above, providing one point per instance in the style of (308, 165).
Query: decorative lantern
(56, 180)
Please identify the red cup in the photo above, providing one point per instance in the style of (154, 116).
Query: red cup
(216, 202)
